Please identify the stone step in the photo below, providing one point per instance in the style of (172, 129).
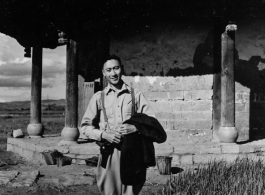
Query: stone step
(183, 154)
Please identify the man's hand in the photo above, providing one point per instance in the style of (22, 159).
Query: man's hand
(112, 137)
(126, 129)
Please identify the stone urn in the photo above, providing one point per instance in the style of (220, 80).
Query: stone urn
(227, 134)
(70, 134)
(35, 130)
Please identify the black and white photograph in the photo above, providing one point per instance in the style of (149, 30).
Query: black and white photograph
(132, 97)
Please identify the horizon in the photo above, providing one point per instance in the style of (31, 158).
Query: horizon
(15, 72)
(30, 100)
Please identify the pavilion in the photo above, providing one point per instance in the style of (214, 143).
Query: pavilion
(85, 26)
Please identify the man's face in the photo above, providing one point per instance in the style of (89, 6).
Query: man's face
(112, 71)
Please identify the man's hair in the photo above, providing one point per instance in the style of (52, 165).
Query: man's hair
(112, 57)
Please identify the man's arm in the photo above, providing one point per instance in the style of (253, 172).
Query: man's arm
(89, 123)
(143, 105)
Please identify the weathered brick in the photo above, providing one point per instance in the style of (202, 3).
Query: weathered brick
(38, 157)
(9, 147)
(230, 148)
(156, 95)
(176, 95)
(242, 107)
(198, 95)
(239, 97)
(29, 154)
(249, 149)
(175, 160)
(42, 148)
(200, 105)
(202, 158)
(171, 83)
(206, 158)
(17, 150)
(176, 137)
(195, 115)
(186, 159)
(165, 106)
(246, 97)
(156, 107)
(188, 125)
(164, 148)
(183, 148)
(168, 116)
(177, 106)
(11, 141)
(184, 115)
(208, 149)
(170, 125)
(239, 87)
(30, 146)
(161, 106)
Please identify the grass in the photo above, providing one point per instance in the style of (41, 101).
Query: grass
(244, 176)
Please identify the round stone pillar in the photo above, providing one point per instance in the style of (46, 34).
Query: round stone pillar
(35, 128)
(227, 131)
(70, 132)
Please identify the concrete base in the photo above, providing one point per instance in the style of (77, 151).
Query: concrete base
(67, 143)
(35, 137)
(32, 149)
(183, 154)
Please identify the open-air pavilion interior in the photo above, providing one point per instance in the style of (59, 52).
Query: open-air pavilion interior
(190, 58)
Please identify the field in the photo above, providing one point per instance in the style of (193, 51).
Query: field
(16, 115)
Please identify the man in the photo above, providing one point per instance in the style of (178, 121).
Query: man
(118, 107)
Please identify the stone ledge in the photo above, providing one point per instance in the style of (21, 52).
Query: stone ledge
(32, 149)
(183, 154)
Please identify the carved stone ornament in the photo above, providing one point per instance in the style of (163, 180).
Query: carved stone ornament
(231, 27)
(62, 38)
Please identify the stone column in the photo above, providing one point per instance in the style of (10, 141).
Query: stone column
(227, 131)
(217, 78)
(35, 128)
(70, 132)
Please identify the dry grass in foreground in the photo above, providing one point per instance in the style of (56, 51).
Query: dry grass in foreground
(242, 177)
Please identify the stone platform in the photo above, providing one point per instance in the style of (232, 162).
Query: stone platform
(183, 154)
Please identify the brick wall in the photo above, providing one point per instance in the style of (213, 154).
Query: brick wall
(242, 112)
(183, 105)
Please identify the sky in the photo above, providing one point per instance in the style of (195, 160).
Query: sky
(15, 72)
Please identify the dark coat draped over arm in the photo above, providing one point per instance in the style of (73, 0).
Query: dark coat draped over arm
(137, 149)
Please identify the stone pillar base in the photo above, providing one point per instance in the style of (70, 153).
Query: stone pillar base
(69, 136)
(35, 130)
(228, 134)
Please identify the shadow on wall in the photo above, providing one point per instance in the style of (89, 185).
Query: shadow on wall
(248, 73)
